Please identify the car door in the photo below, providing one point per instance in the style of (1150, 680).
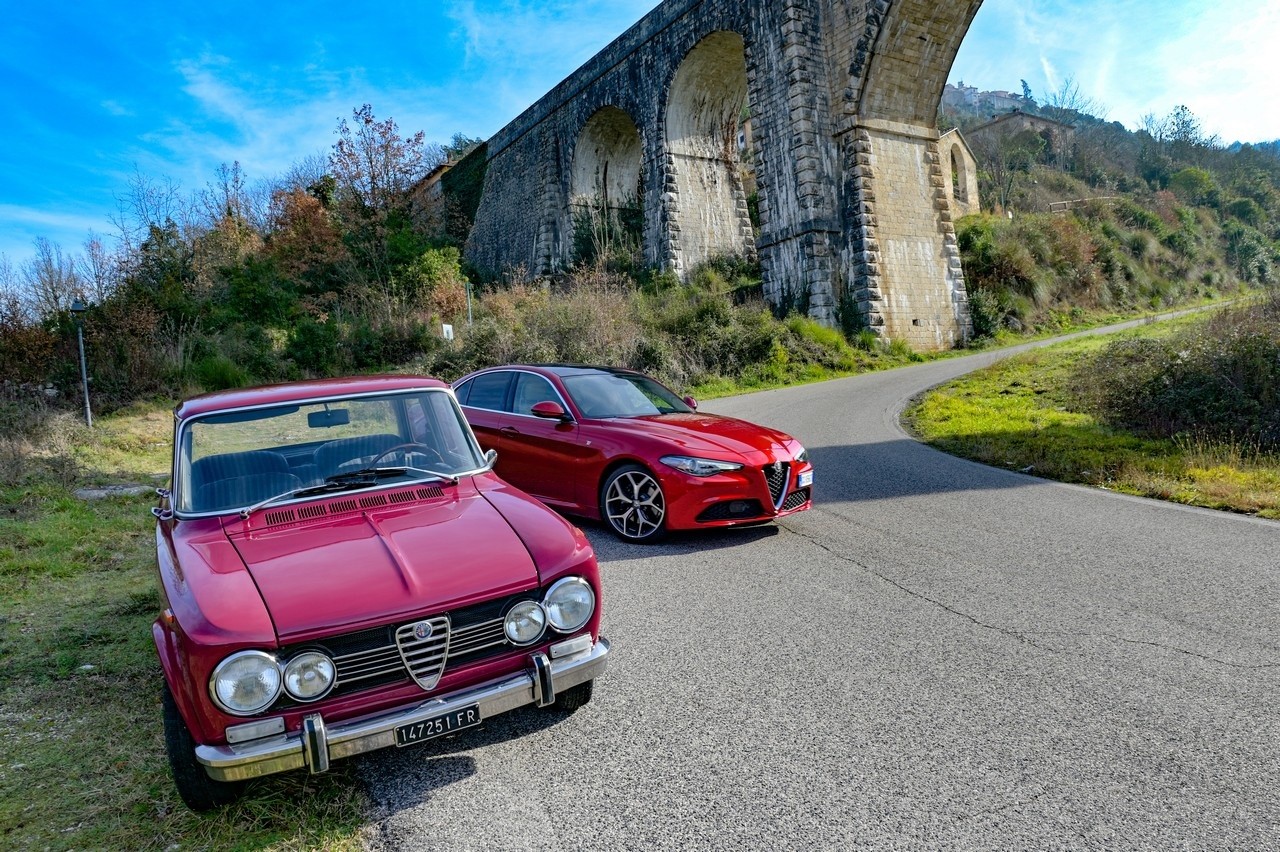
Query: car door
(484, 402)
(539, 455)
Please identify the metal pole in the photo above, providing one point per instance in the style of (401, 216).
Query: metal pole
(468, 301)
(84, 373)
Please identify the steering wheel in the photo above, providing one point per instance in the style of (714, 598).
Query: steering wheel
(424, 449)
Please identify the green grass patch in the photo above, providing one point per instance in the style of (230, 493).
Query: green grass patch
(1022, 414)
(82, 761)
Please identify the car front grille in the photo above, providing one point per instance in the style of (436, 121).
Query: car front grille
(394, 653)
(777, 475)
(795, 500)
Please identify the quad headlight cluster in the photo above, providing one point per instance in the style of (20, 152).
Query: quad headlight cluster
(566, 607)
(249, 682)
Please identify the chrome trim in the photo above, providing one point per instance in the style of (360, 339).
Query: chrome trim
(257, 730)
(357, 736)
(315, 746)
(544, 686)
(572, 580)
(425, 659)
(569, 647)
(181, 426)
(556, 390)
(213, 678)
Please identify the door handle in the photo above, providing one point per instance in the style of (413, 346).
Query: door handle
(509, 431)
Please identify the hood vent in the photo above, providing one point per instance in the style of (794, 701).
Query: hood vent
(276, 517)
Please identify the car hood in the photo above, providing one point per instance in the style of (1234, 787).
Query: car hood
(699, 433)
(372, 567)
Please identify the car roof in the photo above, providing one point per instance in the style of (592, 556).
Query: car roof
(301, 391)
(565, 370)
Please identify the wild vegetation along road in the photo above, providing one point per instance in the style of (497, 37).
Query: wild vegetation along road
(937, 655)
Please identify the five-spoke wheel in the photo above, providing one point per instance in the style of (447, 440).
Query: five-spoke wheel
(633, 505)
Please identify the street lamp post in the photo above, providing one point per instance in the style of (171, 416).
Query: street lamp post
(77, 310)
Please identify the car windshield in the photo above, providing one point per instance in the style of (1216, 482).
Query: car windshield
(599, 395)
(239, 458)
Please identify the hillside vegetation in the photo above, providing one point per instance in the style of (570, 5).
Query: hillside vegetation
(1188, 411)
(345, 265)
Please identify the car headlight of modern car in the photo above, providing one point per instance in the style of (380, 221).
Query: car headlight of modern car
(245, 682)
(525, 623)
(309, 676)
(802, 455)
(699, 467)
(569, 604)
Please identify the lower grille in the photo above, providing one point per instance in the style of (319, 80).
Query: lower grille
(777, 475)
(795, 500)
(731, 510)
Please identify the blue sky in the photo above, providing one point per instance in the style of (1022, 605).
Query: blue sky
(97, 92)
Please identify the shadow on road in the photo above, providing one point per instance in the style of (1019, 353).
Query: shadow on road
(610, 548)
(890, 470)
(403, 778)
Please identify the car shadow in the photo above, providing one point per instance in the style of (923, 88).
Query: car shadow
(398, 779)
(610, 548)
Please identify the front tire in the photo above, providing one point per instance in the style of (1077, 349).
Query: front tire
(633, 505)
(199, 791)
(572, 698)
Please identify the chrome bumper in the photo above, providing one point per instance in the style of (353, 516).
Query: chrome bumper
(317, 743)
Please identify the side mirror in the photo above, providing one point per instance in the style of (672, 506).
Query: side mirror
(549, 410)
(691, 402)
(490, 458)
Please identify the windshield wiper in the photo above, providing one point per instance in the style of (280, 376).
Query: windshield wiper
(372, 474)
(345, 482)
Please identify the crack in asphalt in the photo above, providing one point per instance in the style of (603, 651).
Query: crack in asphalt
(1161, 646)
(1012, 634)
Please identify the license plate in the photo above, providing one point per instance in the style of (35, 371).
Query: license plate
(805, 479)
(438, 726)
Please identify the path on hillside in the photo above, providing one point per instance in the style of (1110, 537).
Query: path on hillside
(938, 655)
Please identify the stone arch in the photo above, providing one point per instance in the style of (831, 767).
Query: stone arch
(704, 201)
(606, 187)
(607, 160)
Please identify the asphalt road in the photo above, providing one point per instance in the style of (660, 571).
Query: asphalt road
(938, 655)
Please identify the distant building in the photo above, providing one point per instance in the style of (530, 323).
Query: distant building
(1059, 136)
(968, 99)
(961, 167)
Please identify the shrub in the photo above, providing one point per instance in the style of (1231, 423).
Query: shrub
(1219, 380)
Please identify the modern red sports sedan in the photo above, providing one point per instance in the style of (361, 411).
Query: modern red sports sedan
(617, 445)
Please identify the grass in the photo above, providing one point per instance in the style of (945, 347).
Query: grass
(1021, 414)
(82, 762)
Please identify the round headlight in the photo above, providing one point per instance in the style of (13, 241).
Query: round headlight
(569, 604)
(246, 682)
(309, 676)
(525, 623)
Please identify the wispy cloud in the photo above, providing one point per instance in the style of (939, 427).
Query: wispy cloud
(522, 48)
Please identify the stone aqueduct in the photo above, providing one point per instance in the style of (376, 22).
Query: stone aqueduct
(842, 97)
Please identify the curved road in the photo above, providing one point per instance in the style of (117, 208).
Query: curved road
(938, 655)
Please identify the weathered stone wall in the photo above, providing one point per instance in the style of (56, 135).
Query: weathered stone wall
(855, 225)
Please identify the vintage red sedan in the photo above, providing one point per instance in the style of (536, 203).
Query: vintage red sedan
(617, 445)
(342, 571)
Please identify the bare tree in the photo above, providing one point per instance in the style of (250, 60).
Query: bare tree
(147, 203)
(1068, 103)
(99, 270)
(50, 280)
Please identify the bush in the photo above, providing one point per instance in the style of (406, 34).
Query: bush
(1219, 380)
